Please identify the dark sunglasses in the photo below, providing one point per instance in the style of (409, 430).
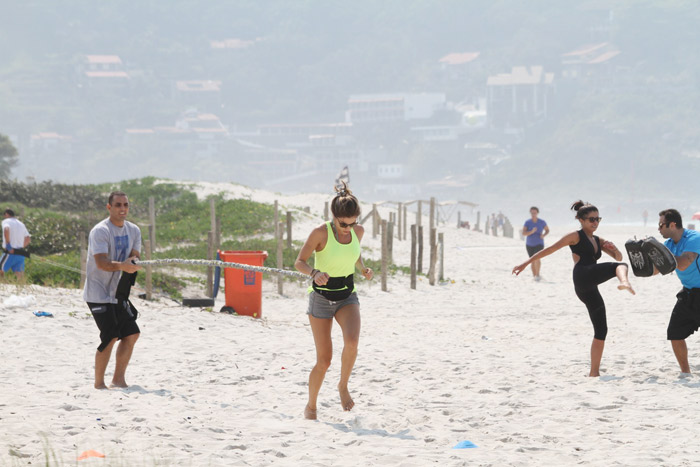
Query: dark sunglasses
(593, 219)
(664, 224)
(344, 225)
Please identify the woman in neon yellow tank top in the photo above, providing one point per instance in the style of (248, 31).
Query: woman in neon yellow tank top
(336, 245)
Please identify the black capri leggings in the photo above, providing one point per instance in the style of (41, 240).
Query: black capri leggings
(586, 281)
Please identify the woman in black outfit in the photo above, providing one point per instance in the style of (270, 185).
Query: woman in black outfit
(586, 249)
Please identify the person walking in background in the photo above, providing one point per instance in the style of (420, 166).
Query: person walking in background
(685, 318)
(534, 231)
(645, 215)
(586, 250)
(15, 238)
(113, 245)
(336, 245)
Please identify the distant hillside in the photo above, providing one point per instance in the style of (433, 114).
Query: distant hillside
(630, 135)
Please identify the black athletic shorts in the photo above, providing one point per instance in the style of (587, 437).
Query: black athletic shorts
(114, 321)
(531, 250)
(685, 318)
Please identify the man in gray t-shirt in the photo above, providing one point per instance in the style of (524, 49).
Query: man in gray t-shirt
(113, 245)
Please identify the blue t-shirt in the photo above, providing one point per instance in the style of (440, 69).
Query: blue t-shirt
(690, 241)
(535, 238)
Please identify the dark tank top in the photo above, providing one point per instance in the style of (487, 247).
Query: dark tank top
(584, 249)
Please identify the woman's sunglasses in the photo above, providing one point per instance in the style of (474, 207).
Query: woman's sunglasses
(344, 225)
(593, 219)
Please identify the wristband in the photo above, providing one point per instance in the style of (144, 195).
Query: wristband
(313, 273)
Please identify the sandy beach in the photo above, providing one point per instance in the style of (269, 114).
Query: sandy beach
(486, 357)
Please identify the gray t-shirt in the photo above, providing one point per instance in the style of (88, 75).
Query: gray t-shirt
(117, 242)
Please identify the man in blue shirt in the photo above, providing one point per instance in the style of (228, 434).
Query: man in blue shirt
(685, 318)
(535, 230)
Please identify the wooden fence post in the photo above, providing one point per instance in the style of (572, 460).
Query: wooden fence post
(478, 220)
(400, 223)
(210, 269)
(83, 258)
(441, 253)
(413, 256)
(217, 235)
(390, 231)
(276, 219)
(289, 230)
(325, 211)
(420, 249)
(433, 256)
(375, 221)
(152, 220)
(405, 220)
(459, 219)
(432, 213)
(419, 214)
(385, 253)
(280, 258)
(149, 270)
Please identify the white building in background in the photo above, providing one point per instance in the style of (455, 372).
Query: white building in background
(371, 108)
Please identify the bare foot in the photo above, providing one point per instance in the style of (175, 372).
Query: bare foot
(626, 286)
(593, 375)
(118, 384)
(345, 399)
(309, 413)
(101, 386)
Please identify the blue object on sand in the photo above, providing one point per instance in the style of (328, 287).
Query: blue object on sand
(465, 445)
(43, 313)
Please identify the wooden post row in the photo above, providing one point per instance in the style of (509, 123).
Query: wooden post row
(289, 230)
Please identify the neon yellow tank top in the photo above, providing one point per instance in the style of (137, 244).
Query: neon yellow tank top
(337, 259)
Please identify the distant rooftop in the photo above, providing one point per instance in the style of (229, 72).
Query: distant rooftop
(585, 50)
(49, 135)
(106, 74)
(591, 54)
(198, 86)
(103, 59)
(521, 75)
(459, 58)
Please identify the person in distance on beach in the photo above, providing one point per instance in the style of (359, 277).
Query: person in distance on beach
(336, 245)
(15, 237)
(685, 318)
(113, 245)
(586, 249)
(535, 230)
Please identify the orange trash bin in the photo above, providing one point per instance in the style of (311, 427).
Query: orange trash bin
(244, 288)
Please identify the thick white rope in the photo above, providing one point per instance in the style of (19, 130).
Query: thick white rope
(223, 264)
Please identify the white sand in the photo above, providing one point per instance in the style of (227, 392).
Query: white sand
(488, 357)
